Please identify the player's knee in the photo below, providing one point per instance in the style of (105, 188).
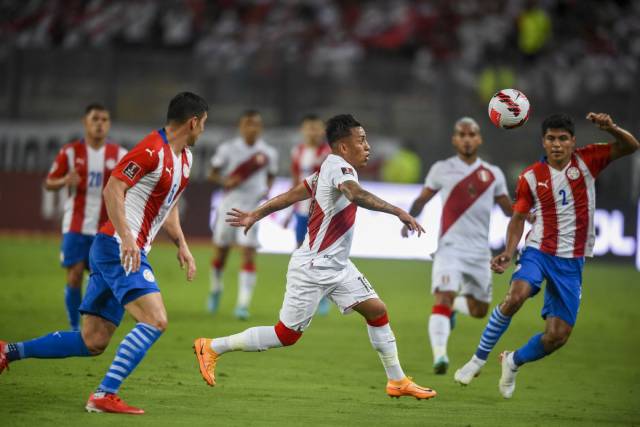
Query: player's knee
(160, 323)
(553, 341)
(286, 335)
(96, 343)
(444, 298)
(74, 277)
(478, 310)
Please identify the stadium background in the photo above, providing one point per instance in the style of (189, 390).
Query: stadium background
(407, 69)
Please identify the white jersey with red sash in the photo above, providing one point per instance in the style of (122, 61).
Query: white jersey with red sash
(252, 164)
(564, 202)
(156, 178)
(468, 194)
(305, 161)
(84, 210)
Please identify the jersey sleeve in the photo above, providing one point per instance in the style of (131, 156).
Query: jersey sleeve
(138, 162)
(309, 182)
(60, 165)
(524, 199)
(220, 157)
(500, 188)
(121, 153)
(596, 156)
(273, 163)
(341, 173)
(431, 181)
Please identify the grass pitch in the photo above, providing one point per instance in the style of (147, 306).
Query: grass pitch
(332, 376)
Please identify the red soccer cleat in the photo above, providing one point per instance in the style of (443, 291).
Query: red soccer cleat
(109, 402)
(4, 360)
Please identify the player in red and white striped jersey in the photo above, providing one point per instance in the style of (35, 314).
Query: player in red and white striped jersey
(83, 167)
(561, 190)
(461, 277)
(321, 266)
(245, 168)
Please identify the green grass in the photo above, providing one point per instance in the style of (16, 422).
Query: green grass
(332, 376)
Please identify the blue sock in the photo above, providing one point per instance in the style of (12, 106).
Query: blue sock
(56, 345)
(498, 324)
(130, 352)
(72, 299)
(531, 351)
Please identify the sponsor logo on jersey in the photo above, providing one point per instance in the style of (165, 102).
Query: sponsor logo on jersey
(148, 275)
(131, 170)
(347, 171)
(544, 184)
(79, 161)
(110, 163)
(149, 151)
(573, 173)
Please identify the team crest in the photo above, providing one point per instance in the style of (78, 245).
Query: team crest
(148, 275)
(131, 170)
(573, 173)
(110, 163)
(186, 170)
(347, 171)
(484, 175)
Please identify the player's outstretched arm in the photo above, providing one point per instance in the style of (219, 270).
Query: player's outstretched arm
(113, 195)
(505, 204)
(238, 218)
(174, 230)
(514, 233)
(625, 143)
(367, 200)
(417, 206)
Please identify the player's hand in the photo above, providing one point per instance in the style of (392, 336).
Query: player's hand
(500, 263)
(238, 218)
(410, 222)
(231, 182)
(186, 260)
(405, 231)
(602, 120)
(72, 179)
(129, 254)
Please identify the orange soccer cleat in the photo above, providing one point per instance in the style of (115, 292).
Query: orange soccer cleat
(109, 402)
(406, 387)
(4, 360)
(207, 359)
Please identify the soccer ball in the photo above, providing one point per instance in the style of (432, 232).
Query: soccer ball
(509, 109)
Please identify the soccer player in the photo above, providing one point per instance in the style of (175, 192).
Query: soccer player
(561, 189)
(245, 168)
(461, 278)
(321, 266)
(141, 197)
(83, 167)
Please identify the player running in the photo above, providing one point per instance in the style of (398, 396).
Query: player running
(461, 278)
(321, 266)
(561, 189)
(83, 167)
(140, 197)
(245, 168)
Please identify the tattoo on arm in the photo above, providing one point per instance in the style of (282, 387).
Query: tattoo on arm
(363, 198)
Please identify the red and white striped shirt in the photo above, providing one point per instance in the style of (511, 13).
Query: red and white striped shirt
(156, 178)
(84, 210)
(564, 202)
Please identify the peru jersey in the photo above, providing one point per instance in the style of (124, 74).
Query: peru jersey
(331, 216)
(305, 161)
(252, 164)
(84, 210)
(564, 202)
(468, 194)
(156, 178)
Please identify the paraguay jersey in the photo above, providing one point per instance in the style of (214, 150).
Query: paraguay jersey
(252, 164)
(306, 160)
(564, 202)
(84, 210)
(331, 216)
(468, 194)
(156, 178)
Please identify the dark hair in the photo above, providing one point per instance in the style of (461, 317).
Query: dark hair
(94, 106)
(186, 105)
(310, 118)
(340, 126)
(558, 121)
(251, 112)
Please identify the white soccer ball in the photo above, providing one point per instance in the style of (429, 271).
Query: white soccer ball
(509, 109)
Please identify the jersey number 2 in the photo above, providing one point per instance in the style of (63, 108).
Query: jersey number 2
(563, 193)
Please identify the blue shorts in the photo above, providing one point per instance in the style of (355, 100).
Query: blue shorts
(564, 282)
(109, 288)
(75, 248)
(301, 227)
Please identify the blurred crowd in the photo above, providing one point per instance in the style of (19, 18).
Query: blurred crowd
(563, 45)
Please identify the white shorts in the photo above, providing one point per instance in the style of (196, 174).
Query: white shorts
(454, 271)
(224, 235)
(307, 285)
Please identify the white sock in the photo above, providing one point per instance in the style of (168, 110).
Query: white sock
(439, 330)
(259, 338)
(246, 285)
(461, 305)
(216, 284)
(383, 340)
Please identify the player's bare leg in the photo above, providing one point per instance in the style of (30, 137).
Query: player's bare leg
(246, 282)
(384, 342)
(440, 328)
(220, 255)
(73, 294)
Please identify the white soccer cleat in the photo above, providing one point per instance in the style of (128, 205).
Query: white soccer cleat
(507, 384)
(469, 371)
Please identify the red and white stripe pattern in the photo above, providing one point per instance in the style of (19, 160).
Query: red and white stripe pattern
(156, 177)
(84, 208)
(306, 160)
(564, 202)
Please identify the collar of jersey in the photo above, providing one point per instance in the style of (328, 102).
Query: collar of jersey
(163, 135)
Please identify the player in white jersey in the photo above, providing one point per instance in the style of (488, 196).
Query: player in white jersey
(461, 278)
(245, 168)
(83, 167)
(321, 266)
